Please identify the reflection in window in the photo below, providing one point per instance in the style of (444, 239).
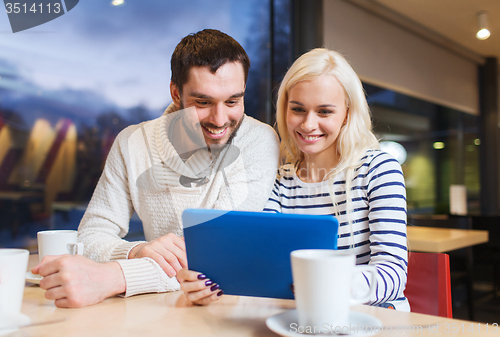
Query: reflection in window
(68, 87)
(442, 148)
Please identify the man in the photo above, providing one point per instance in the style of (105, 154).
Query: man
(207, 155)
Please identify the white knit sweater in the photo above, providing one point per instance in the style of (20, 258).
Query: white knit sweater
(142, 174)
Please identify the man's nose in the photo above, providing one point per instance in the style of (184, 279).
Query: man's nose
(218, 115)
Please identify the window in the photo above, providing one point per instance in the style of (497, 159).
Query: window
(441, 144)
(69, 86)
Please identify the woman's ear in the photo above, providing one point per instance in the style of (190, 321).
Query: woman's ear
(346, 115)
(176, 94)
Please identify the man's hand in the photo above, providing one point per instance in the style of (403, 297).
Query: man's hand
(197, 288)
(75, 281)
(169, 251)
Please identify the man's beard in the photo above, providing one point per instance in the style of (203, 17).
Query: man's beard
(215, 149)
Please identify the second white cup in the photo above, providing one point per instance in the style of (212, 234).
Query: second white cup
(58, 242)
(13, 265)
(322, 284)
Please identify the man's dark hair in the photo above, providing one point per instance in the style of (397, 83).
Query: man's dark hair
(208, 47)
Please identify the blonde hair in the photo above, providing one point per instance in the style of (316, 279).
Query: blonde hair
(355, 136)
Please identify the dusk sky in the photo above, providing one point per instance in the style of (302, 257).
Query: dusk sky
(120, 53)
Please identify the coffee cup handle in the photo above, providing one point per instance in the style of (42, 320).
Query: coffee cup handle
(76, 248)
(372, 270)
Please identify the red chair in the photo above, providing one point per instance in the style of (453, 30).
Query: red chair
(428, 287)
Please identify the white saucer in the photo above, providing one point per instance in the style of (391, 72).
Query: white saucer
(12, 323)
(286, 324)
(33, 278)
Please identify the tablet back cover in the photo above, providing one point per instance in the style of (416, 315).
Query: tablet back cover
(248, 253)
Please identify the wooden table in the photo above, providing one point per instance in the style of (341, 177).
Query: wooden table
(440, 240)
(170, 314)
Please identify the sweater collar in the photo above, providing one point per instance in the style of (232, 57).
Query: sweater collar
(198, 165)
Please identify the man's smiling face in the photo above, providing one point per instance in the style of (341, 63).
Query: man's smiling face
(217, 98)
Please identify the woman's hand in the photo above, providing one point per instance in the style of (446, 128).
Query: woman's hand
(197, 288)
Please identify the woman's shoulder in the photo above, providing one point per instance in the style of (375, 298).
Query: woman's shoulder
(376, 157)
(378, 164)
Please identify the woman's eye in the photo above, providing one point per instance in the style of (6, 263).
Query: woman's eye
(297, 110)
(325, 112)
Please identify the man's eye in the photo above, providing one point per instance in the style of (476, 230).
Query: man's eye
(202, 102)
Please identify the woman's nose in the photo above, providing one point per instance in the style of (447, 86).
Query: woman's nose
(309, 122)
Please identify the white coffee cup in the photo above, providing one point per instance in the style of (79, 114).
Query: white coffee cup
(58, 242)
(13, 265)
(322, 282)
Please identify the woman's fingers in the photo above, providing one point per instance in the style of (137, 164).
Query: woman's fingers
(189, 275)
(197, 288)
(207, 300)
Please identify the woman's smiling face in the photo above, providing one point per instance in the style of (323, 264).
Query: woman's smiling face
(315, 114)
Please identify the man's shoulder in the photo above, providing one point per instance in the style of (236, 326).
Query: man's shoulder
(253, 130)
(258, 143)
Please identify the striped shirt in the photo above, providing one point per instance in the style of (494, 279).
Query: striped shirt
(378, 219)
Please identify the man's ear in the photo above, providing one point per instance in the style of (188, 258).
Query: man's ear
(176, 94)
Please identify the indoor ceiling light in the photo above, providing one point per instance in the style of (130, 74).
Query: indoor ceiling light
(482, 21)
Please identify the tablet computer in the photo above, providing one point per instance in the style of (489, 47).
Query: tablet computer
(248, 253)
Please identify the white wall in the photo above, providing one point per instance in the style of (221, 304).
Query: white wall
(391, 57)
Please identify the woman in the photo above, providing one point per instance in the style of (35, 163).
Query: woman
(333, 166)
